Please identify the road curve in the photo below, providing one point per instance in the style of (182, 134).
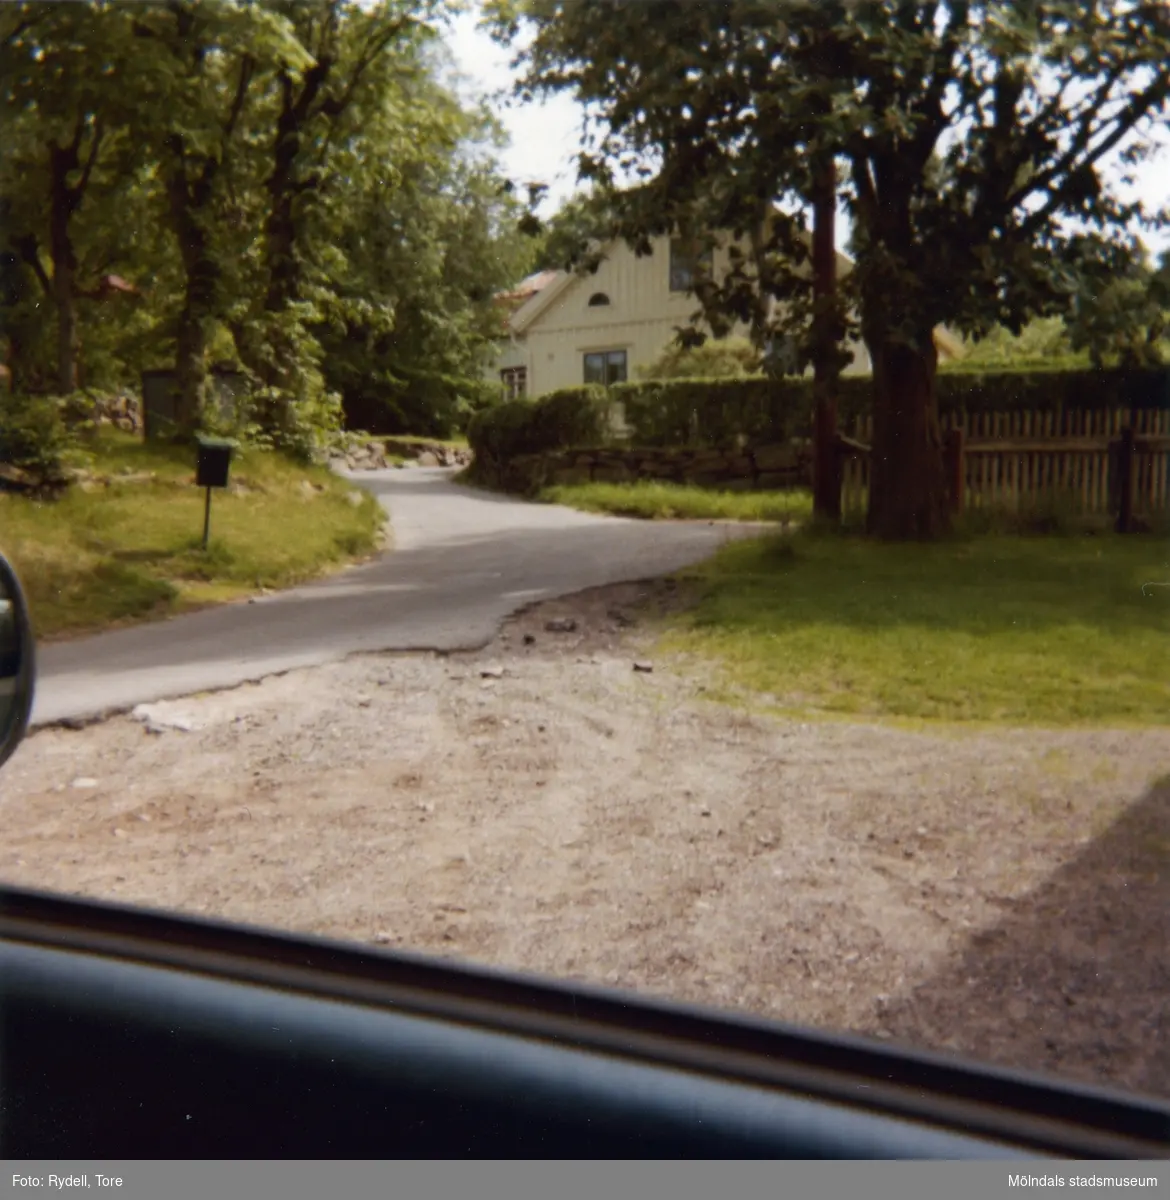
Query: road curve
(463, 560)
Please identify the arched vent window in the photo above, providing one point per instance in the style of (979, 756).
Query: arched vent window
(598, 300)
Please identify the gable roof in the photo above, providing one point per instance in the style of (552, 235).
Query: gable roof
(535, 295)
(527, 287)
(541, 300)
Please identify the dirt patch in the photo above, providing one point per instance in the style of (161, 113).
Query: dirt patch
(544, 805)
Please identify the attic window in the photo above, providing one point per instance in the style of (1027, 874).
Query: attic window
(598, 300)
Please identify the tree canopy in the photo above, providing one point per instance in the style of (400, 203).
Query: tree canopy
(972, 141)
(297, 187)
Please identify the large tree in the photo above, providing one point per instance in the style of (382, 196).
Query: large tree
(972, 139)
(66, 71)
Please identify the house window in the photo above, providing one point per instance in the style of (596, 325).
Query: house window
(684, 265)
(598, 300)
(515, 381)
(605, 367)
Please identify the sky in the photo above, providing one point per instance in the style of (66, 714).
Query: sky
(545, 136)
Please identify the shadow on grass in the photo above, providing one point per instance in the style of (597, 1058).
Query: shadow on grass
(1073, 980)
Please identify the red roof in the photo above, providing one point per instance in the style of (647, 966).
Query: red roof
(527, 288)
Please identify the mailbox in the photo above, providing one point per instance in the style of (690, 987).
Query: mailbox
(215, 456)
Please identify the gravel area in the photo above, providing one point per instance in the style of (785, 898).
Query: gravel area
(546, 805)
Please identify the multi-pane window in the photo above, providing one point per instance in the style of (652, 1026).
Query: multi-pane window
(685, 263)
(605, 367)
(515, 381)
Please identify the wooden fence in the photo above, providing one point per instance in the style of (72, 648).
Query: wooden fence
(1024, 460)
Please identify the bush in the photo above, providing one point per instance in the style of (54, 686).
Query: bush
(571, 417)
(716, 358)
(34, 439)
(758, 410)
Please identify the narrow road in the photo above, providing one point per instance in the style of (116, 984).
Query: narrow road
(463, 560)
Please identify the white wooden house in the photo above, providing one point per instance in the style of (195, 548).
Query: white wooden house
(568, 329)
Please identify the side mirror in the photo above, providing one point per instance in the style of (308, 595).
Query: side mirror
(17, 662)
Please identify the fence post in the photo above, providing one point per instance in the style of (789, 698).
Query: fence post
(955, 466)
(1125, 481)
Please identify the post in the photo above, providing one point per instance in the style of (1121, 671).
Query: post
(1125, 481)
(207, 518)
(955, 469)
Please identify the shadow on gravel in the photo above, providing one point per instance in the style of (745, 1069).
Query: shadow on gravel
(1074, 979)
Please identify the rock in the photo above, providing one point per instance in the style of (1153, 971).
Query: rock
(383, 939)
(427, 459)
(529, 639)
(644, 666)
(561, 625)
(158, 719)
(492, 672)
(308, 490)
(84, 783)
(616, 614)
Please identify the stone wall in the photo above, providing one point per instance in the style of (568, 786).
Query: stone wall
(360, 452)
(755, 468)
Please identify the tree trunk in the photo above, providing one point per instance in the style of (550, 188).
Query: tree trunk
(189, 210)
(907, 483)
(826, 338)
(190, 371)
(61, 204)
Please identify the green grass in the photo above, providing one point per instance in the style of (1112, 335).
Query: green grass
(1024, 631)
(667, 501)
(131, 550)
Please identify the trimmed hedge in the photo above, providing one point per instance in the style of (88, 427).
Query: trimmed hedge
(757, 410)
(507, 431)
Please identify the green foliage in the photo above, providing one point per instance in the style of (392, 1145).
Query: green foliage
(716, 358)
(564, 239)
(296, 186)
(759, 410)
(1044, 340)
(1123, 317)
(714, 412)
(34, 438)
(570, 417)
(969, 141)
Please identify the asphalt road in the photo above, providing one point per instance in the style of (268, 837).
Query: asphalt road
(463, 560)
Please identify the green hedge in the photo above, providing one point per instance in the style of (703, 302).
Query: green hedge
(717, 412)
(571, 417)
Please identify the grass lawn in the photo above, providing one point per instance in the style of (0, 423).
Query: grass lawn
(131, 549)
(667, 501)
(1018, 630)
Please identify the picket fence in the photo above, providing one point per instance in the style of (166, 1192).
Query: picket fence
(1016, 461)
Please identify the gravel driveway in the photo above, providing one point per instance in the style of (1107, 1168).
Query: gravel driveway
(542, 805)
